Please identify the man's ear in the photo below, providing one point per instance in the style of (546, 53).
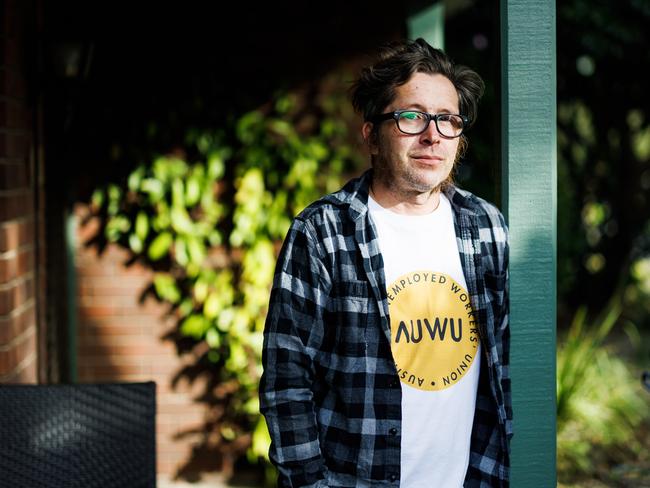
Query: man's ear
(369, 137)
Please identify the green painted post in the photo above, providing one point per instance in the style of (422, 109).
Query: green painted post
(530, 201)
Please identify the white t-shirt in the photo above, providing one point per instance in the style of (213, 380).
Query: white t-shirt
(435, 343)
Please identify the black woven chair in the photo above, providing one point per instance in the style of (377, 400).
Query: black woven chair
(82, 435)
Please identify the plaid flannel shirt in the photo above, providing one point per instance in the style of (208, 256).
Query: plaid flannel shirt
(330, 392)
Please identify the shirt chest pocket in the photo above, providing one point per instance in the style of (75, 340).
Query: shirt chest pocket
(352, 305)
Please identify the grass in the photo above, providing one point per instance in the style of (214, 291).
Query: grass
(603, 409)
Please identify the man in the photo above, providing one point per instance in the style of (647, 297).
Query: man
(386, 342)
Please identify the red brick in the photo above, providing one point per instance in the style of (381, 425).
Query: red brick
(113, 372)
(7, 362)
(87, 229)
(13, 354)
(111, 286)
(15, 294)
(107, 329)
(29, 373)
(13, 325)
(15, 234)
(13, 265)
(123, 350)
(121, 340)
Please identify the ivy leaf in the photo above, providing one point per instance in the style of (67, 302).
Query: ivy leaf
(154, 188)
(159, 246)
(142, 225)
(180, 251)
(181, 221)
(166, 289)
(116, 227)
(135, 178)
(212, 306)
(213, 338)
(216, 166)
(135, 243)
(192, 192)
(195, 326)
(97, 199)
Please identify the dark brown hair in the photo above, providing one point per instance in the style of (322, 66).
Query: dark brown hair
(375, 88)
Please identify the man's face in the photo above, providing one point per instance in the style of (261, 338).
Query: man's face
(416, 163)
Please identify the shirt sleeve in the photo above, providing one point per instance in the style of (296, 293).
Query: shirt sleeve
(293, 335)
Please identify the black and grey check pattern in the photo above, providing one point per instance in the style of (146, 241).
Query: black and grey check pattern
(330, 392)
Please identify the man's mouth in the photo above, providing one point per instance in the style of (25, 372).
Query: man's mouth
(427, 159)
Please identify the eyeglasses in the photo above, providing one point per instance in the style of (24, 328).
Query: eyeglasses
(414, 122)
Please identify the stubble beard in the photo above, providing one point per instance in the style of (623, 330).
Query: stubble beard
(411, 182)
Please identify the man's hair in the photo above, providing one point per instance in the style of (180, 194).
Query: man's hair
(375, 88)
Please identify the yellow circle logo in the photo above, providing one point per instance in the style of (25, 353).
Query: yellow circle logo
(433, 329)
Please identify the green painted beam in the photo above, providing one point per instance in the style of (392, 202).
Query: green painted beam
(530, 201)
(429, 24)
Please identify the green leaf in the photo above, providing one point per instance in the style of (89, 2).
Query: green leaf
(142, 225)
(116, 227)
(154, 188)
(181, 221)
(216, 166)
(192, 192)
(135, 243)
(200, 290)
(178, 193)
(248, 126)
(212, 305)
(180, 251)
(213, 338)
(166, 288)
(195, 326)
(97, 199)
(160, 246)
(135, 178)
(196, 250)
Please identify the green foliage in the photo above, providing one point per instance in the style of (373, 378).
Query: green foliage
(210, 228)
(603, 151)
(600, 403)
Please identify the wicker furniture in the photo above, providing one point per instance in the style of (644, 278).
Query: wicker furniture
(81, 435)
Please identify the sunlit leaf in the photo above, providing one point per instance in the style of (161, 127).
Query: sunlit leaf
(135, 243)
(166, 288)
(142, 225)
(195, 326)
(159, 246)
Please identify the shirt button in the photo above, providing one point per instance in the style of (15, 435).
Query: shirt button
(392, 478)
(393, 431)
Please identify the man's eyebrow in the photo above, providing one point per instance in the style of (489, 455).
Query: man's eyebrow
(422, 108)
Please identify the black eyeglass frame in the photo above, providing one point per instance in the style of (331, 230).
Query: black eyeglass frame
(395, 116)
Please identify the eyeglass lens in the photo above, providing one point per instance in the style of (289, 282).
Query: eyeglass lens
(448, 125)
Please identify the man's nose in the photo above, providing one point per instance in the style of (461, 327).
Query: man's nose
(431, 134)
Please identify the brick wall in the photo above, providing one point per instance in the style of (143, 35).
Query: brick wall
(121, 339)
(20, 291)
